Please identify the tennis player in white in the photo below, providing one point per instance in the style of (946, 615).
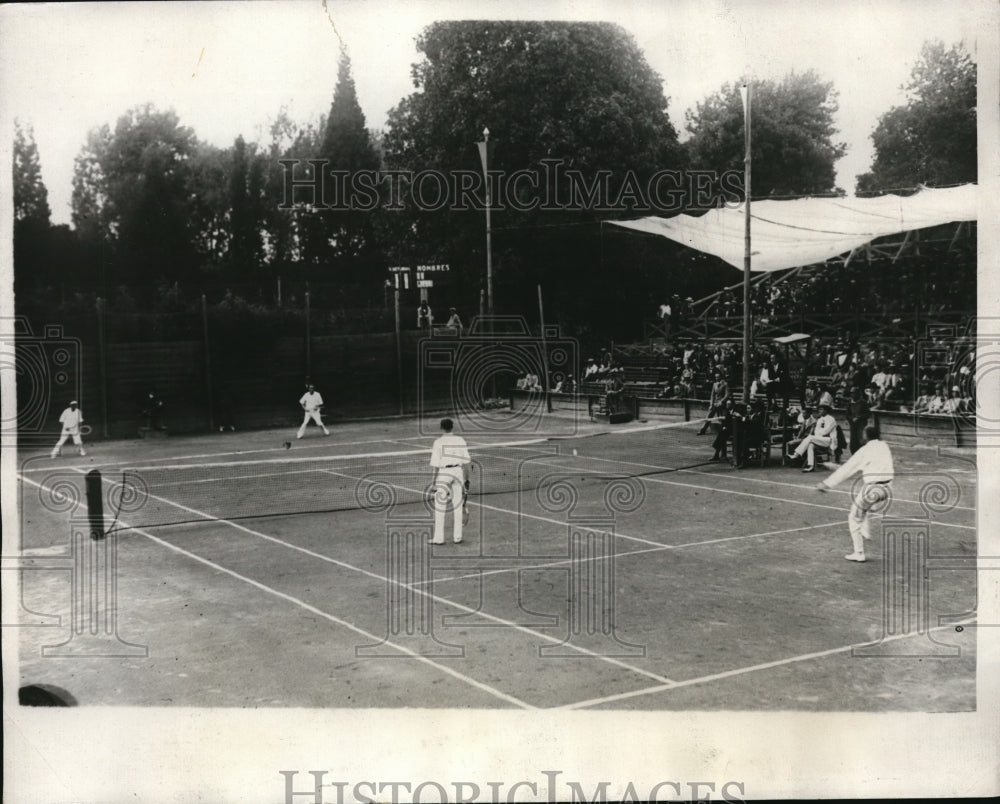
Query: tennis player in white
(874, 461)
(311, 403)
(451, 461)
(71, 419)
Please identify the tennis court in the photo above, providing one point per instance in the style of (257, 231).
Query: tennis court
(616, 568)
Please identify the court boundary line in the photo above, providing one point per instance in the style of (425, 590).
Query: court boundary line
(754, 668)
(735, 475)
(495, 508)
(483, 687)
(666, 469)
(630, 553)
(123, 464)
(425, 593)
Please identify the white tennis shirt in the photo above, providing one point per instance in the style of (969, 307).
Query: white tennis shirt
(449, 450)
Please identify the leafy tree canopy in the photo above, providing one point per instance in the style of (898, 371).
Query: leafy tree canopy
(931, 139)
(580, 92)
(792, 134)
(31, 198)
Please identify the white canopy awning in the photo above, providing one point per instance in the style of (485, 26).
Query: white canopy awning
(786, 234)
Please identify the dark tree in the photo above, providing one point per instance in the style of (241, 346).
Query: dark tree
(932, 138)
(245, 184)
(792, 144)
(132, 188)
(31, 213)
(31, 198)
(580, 93)
(334, 237)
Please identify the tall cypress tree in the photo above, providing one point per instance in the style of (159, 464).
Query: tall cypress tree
(31, 198)
(31, 211)
(342, 233)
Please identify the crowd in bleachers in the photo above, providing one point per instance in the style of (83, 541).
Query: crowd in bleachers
(893, 372)
(880, 287)
(932, 376)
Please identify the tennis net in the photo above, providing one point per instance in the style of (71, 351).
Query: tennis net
(150, 496)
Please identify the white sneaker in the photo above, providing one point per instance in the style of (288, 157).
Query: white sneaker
(82, 453)
(859, 557)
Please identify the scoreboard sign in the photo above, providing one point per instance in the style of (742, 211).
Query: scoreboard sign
(420, 270)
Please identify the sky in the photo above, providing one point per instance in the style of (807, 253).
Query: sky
(227, 68)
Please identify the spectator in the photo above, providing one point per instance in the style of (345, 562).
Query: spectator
(824, 435)
(590, 371)
(811, 397)
(874, 396)
(858, 413)
(937, 403)
(922, 405)
(424, 316)
(806, 422)
(954, 404)
(152, 411)
(665, 314)
(717, 400)
(455, 321)
(724, 431)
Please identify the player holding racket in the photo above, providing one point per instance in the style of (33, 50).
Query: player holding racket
(452, 464)
(312, 404)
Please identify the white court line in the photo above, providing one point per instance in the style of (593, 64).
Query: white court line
(501, 510)
(732, 476)
(319, 612)
(751, 669)
(628, 554)
(127, 464)
(648, 479)
(435, 598)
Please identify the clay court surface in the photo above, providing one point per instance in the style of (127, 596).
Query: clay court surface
(706, 588)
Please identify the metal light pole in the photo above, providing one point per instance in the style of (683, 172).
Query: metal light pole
(747, 318)
(484, 157)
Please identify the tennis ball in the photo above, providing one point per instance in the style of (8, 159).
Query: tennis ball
(575, 452)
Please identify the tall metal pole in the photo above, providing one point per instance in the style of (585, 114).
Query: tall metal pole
(399, 350)
(545, 352)
(747, 317)
(489, 230)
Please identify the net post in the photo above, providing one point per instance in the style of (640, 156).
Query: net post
(95, 503)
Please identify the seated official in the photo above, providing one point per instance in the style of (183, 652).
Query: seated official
(725, 431)
(806, 424)
(824, 435)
